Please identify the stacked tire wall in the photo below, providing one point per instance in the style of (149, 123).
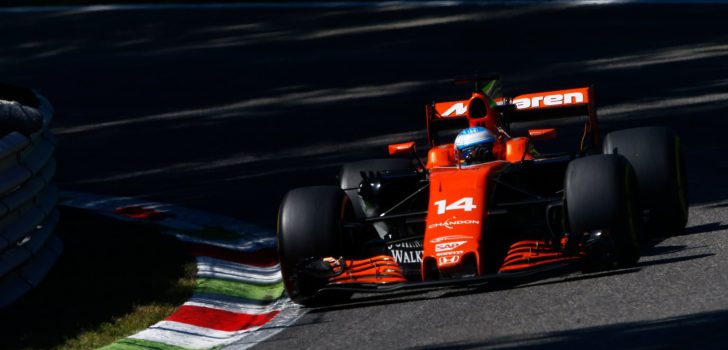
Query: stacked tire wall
(28, 214)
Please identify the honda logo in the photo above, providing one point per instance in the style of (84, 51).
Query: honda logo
(448, 260)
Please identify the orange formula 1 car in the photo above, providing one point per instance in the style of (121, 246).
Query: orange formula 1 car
(468, 215)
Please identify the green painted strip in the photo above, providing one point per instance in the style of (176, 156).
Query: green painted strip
(139, 344)
(240, 289)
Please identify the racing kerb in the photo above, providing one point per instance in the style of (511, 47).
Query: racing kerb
(28, 214)
(239, 300)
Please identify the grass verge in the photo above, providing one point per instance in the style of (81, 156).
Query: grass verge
(112, 280)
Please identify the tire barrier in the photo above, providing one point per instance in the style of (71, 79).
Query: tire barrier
(28, 214)
(239, 300)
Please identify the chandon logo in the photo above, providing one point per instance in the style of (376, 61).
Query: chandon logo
(449, 223)
(549, 100)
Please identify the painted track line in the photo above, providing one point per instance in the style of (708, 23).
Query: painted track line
(221, 269)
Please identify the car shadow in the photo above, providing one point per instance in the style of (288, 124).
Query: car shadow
(705, 228)
(699, 330)
(662, 250)
(673, 260)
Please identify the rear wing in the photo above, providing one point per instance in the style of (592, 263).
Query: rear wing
(555, 104)
(443, 118)
(550, 104)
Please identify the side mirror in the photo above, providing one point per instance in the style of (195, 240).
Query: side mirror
(542, 134)
(402, 148)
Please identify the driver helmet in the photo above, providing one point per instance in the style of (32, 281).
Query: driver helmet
(475, 145)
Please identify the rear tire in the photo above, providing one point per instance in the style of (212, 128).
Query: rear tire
(601, 195)
(656, 155)
(309, 226)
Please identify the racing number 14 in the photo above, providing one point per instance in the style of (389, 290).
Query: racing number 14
(465, 203)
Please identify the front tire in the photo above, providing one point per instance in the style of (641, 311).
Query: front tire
(602, 208)
(309, 226)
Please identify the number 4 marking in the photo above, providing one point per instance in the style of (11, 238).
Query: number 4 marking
(465, 203)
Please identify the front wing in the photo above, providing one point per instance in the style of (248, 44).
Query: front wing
(382, 273)
(462, 282)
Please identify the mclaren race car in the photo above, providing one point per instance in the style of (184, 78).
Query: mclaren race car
(406, 222)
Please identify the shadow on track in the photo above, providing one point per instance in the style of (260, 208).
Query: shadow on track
(705, 228)
(444, 293)
(683, 332)
(184, 108)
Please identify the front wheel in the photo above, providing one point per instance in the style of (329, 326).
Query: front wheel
(309, 226)
(602, 208)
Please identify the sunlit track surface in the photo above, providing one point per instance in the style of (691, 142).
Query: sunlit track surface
(225, 110)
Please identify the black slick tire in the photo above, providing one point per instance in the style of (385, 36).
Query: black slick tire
(601, 196)
(656, 156)
(309, 226)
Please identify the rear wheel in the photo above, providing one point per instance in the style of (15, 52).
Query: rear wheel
(602, 209)
(656, 155)
(309, 226)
